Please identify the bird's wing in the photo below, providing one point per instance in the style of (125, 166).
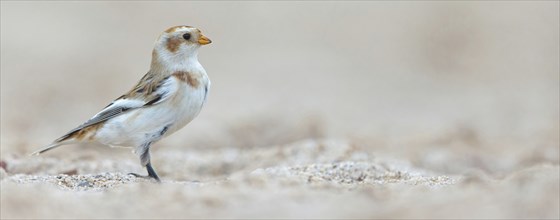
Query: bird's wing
(146, 93)
(114, 109)
(151, 90)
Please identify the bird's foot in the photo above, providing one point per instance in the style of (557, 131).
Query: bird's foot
(156, 178)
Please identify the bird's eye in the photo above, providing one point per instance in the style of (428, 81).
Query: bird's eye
(187, 36)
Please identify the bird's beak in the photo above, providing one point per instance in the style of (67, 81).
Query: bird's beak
(203, 40)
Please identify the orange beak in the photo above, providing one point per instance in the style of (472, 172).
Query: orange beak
(203, 40)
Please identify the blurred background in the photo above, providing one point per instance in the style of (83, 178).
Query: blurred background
(393, 76)
(388, 75)
(455, 88)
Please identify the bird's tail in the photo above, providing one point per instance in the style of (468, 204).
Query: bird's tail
(50, 147)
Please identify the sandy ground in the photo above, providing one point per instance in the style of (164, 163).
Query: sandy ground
(317, 110)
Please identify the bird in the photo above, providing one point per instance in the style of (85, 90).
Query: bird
(163, 101)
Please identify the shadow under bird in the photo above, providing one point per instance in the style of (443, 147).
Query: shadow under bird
(166, 99)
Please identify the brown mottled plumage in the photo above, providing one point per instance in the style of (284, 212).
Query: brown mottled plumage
(86, 133)
(187, 77)
(173, 45)
(173, 29)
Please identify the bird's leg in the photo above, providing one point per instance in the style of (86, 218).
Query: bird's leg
(145, 160)
(144, 152)
(151, 172)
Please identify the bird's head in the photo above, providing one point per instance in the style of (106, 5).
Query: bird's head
(179, 43)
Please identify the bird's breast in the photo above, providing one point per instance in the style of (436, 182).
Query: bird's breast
(190, 97)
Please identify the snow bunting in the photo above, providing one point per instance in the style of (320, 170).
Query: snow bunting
(167, 98)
